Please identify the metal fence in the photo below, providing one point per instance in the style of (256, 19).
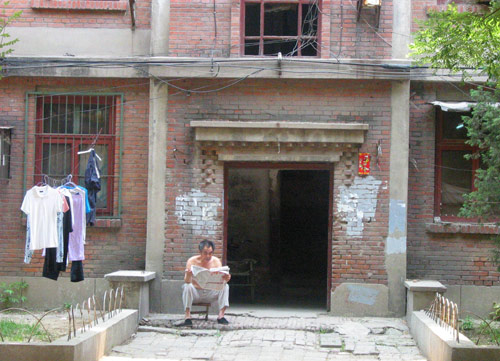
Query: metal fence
(445, 313)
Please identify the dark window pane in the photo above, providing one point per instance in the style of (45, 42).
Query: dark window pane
(280, 19)
(286, 47)
(58, 118)
(252, 19)
(251, 47)
(456, 180)
(56, 161)
(79, 118)
(94, 117)
(309, 20)
(453, 127)
(309, 47)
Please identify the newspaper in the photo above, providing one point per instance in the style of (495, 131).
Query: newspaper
(210, 279)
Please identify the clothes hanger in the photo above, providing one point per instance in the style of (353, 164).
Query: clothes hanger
(44, 181)
(91, 148)
(69, 182)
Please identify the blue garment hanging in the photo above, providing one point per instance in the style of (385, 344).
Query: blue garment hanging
(93, 185)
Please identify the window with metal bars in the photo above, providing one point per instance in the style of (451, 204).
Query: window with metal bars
(272, 27)
(67, 124)
(5, 145)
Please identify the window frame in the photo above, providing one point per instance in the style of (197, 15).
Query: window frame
(444, 144)
(261, 36)
(75, 140)
(5, 151)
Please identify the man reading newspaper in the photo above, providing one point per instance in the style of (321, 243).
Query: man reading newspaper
(213, 278)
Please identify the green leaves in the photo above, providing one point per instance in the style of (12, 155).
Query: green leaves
(460, 42)
(483, 129)
(470, 43)
(11, 294)
(5, 41)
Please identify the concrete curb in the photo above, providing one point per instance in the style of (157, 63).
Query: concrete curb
(88, 346)
(437, 344)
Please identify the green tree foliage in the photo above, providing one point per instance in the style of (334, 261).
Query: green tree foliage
(470, 43)
(461, 42)
(5, 41)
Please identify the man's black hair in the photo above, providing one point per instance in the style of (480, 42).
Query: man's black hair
(206, 243)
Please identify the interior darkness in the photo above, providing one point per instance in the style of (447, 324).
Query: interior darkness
(280, 19)
(280, 219)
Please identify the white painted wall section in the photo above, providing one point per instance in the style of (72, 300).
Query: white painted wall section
(357, 204)
(198, 210)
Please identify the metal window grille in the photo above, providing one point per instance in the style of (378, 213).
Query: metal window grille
(5, 145)
(61, 125)
(271, 27)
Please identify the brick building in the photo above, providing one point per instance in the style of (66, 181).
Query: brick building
(243, 121)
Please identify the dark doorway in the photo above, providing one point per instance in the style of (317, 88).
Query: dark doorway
(303, 234)
(279, 219)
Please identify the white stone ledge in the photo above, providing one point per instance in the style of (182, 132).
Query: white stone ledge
(130, 276)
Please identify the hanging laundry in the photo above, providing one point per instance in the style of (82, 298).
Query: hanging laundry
(93, 185)
(42, 204)
(56, 222)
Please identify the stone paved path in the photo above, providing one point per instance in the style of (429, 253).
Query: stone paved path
(263, 338)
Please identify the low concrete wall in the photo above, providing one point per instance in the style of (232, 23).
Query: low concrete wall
(43, 293)
(88, 346)
(477, 299)
(360, 300)
(438, 344)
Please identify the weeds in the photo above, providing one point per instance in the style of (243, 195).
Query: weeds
(13, 331)
(11, 294)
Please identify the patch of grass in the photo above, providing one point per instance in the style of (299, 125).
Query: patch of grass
(20, 332)
(467, 324)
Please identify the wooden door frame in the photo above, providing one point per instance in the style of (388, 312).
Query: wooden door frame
(286, 166)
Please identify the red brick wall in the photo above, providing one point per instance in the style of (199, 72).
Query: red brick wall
(452, 258)
(107, 249)
(285, 100)
(66, 16)
(192, 30)
(421, 7)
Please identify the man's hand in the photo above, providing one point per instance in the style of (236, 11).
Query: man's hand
(188, 275)
(226, 277)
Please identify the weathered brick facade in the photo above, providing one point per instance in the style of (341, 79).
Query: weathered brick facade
(86, 14)
(109, 247)
(208, 81)
(455, 254)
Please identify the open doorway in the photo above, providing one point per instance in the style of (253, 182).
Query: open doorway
(278, 218)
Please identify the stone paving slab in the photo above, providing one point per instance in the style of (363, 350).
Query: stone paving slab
(253, 338)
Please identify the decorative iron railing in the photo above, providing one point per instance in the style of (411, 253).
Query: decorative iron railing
(445, 313)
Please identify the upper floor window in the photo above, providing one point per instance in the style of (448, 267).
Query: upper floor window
(67, 124)
(286, 27)
(454, 174)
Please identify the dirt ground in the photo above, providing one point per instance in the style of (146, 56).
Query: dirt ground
(56, 323)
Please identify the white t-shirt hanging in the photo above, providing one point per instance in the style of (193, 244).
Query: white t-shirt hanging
(42, 205)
